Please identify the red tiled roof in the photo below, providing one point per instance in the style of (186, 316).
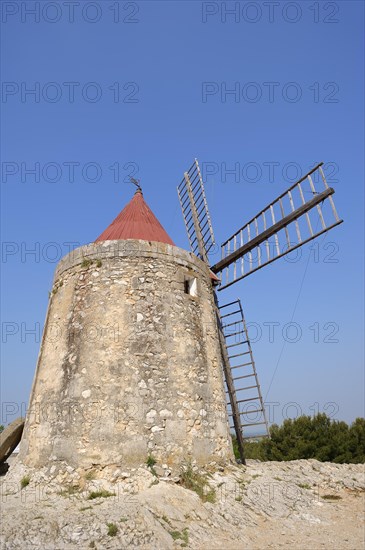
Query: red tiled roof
(136, 221)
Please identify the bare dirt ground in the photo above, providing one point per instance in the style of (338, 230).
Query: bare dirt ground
(336, 525)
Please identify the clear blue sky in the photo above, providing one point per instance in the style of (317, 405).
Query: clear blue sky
(157, 57)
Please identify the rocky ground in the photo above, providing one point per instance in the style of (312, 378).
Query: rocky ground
(302, 504)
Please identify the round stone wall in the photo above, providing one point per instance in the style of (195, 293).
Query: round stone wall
(129, 364)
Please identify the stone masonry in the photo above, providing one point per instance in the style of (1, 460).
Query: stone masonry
(129, 364)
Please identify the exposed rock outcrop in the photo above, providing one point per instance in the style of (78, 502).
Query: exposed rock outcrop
(299, 504)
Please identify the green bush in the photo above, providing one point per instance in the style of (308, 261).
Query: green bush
(150, 464)
(183, 536)
(198, 483)
(86, 263)
(24, 481)
(100, 494)
(150, 461)
(305, 437)
(112, 529)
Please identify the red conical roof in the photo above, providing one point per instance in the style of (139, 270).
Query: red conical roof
(136, 221)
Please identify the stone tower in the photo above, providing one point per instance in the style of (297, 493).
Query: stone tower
(129, 364)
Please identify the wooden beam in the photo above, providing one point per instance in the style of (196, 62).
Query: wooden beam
(222, 287)
(278, 198)
(194, 213)
(230, 386)
(265, 235)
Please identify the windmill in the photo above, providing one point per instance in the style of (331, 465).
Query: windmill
(293, 219)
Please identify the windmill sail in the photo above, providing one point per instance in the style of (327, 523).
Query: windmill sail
(245, 401)
(294, 218)
(195, 211)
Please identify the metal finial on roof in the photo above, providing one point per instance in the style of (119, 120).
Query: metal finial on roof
(136, 221)
(136, 183)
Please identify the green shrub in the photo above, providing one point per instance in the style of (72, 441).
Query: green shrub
(112, 529)
(86, 263)
(150, 463)
(183, 535)
(70, 490)
(305, 437)
(198, 483)
(100, 494)
(331, 497)
(24, 482)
